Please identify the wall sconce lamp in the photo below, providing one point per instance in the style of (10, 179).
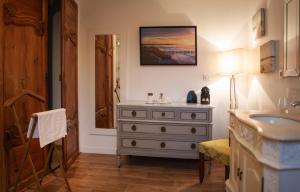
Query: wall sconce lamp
(230, 64)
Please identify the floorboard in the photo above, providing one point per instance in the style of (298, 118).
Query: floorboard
(98, 173)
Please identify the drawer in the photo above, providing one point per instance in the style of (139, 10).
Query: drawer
(202, 116)
(160, 115)
(199, 130)
(133, 113)
(162, 145)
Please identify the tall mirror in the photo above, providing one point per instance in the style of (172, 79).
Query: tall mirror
(291, 38)
(107, 79)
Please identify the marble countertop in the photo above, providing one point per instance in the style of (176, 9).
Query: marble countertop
(173, 104)
(271, 131)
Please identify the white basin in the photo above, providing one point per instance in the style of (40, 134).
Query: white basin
(275, 120)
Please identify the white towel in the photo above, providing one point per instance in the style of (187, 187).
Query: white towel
(51, 126)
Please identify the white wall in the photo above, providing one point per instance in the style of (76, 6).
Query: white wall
(265, 89)
(220, 24)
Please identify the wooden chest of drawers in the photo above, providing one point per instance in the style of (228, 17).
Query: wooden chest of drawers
(162, 130)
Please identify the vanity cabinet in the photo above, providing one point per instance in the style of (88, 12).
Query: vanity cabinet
(162, 130)
(261, 159)
(245, 175)
(250, 172)
(234, 164)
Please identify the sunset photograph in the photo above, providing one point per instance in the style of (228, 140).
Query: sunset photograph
(168, 45)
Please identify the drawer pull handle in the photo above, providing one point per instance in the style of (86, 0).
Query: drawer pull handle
(133, 127)
(162, 145)
(133, 143)
(163, 129)
(193, 146)
(163, 114)
(193, 130)
(133, 113)
(193, 115)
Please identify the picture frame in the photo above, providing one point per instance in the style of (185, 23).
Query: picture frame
(168, 45)
(259, 23)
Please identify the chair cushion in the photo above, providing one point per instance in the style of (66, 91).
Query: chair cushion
(216, 149)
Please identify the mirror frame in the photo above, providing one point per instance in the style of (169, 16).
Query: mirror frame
(91, 64)
(294, 70)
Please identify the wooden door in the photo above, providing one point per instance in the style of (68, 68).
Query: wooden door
(104, 81)
(23, 66)
(69, 78)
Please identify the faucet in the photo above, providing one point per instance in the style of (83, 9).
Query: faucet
(295, 103)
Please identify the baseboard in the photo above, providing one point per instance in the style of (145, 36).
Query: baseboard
(98, 150)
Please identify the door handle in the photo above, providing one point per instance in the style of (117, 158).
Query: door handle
(241, 175)
(262, 184)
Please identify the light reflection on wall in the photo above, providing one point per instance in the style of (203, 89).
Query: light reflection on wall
(219, 92)
(258, 99)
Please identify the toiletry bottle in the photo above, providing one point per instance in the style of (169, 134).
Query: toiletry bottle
(150, 98)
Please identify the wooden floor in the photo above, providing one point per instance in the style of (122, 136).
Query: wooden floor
(98, 173)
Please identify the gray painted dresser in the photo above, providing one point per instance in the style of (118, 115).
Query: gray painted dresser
(162, 130)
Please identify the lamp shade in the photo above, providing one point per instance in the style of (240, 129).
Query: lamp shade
(230, 61)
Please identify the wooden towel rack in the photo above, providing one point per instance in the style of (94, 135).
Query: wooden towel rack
(11, 104)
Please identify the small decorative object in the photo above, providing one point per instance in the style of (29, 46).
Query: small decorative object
(163, 99)
(150, 98)
(205, 97)
(191, 97)
(268, 57)
(259, 23)
(168, 45)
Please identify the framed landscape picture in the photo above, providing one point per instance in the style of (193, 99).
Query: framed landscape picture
(168, 45)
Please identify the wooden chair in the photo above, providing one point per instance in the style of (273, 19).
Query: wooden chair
(215, 149)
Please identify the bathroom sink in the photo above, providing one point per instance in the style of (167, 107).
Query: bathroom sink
(274, 120)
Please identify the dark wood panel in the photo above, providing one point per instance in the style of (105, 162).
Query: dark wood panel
(24, 67)
(24, 13)
(69, 78)
(2, 162)
(92, 172)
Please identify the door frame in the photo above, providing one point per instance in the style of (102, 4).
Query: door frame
(91, 61)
